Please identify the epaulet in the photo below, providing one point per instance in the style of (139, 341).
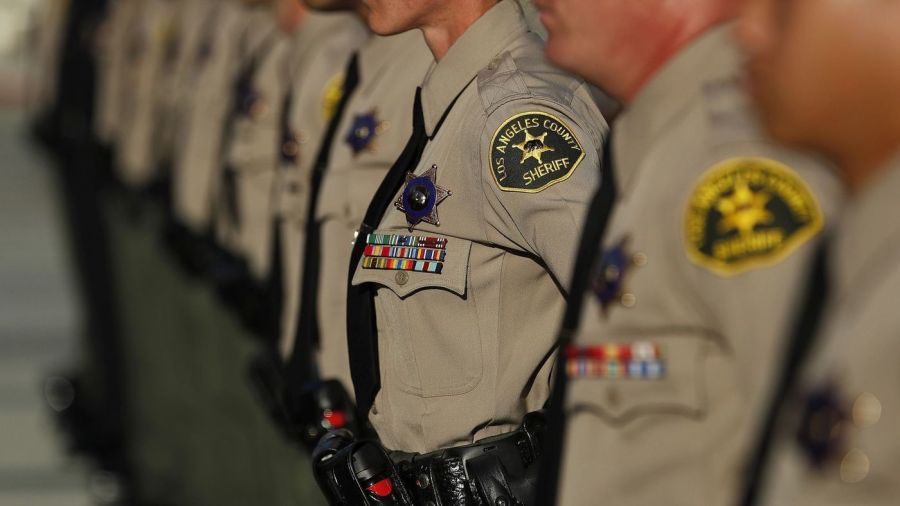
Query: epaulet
(500, 82)
(523, 72)
(729, 115)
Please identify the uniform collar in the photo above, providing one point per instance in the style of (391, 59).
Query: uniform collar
(868, 234)
(674, 87)
(473, 51)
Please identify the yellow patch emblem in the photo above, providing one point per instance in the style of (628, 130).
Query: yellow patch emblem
(748, 212)
(331, 96)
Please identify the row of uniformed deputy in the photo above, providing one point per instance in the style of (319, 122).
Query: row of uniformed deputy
(191, 95)
(695, 246)
(221, 173)
(186, 351)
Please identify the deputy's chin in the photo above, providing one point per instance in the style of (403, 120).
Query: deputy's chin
(558, 54)
(382, 26)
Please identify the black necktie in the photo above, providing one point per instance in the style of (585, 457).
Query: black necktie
(301, 367)
(802, 337)
(591, 241)
(361, 334)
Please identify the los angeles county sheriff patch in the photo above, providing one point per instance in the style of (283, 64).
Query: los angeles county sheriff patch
(533, 151)
(748, 212)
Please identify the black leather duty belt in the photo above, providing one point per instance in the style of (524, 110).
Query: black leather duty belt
(496, 471)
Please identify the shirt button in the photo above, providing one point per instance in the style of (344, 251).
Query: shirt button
(258, 108)
(854, 466)
(639, 259)
(401, 277)
(866, 410)
(613, 397)
(290, 148)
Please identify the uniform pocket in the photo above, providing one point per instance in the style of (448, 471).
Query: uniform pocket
(624, 380)
(428, 323)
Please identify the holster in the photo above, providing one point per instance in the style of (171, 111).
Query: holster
(496, 471)
(357, 473)
(321, 406)
(308, 413)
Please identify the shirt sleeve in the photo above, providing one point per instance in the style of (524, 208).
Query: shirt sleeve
(540, 167)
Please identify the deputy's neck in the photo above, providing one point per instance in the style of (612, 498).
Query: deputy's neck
(862, 163)
(445, 26)
(667, 41)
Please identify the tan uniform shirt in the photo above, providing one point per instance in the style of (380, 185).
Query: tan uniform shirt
(115, 49)
(466, 316)
(374, 130)
(251, 151)
(249, 134)
(315, 98)
(111, 57)
(198, 162)
(150, 40)
(705, 251)
(197, 50)
(176, 88)
(850, 452)
(305, 63)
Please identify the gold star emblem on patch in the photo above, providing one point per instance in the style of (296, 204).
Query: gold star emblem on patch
(744, 209)
(748, 212)
(533, 146)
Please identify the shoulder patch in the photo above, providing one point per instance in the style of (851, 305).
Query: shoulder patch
(532, 151)
(331, 96)
(748, 212)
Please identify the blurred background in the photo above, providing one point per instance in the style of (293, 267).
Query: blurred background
(38, 312)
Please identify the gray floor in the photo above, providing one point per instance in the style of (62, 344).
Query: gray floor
(38, 315)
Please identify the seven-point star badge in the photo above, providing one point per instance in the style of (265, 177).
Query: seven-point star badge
(420, 198)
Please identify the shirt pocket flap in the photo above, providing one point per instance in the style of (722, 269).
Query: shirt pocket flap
(416, 261)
